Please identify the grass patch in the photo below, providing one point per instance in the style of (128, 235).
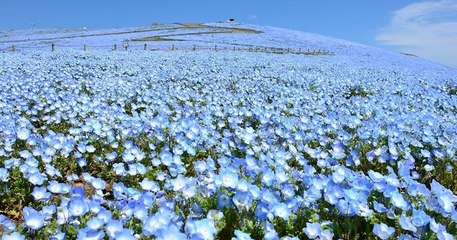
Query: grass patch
(451, 89)
(155, 39)
(356, 91)
(192, 25)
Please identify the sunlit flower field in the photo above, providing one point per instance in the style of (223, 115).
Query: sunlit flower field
(225, 145)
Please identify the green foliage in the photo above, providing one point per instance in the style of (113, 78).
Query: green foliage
(229, 224)
(356, 91)
(86, 90)
(312, 87)
(14, 197)
(445, 172)
(451, 89)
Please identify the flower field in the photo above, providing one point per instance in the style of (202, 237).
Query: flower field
(206, 145)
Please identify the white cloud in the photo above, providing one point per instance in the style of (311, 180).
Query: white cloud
(427, 29)
(253, 16)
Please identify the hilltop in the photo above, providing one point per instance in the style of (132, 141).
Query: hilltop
(182, 36)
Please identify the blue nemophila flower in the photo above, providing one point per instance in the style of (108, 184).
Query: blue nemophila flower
(379, 207)
(200, 166)
(25, 154)
(399, 201)
(383, 231)
(23, 134)
(166, 158)
(13, 236)
(77, 207)
(271, 235)
(446, 198)
(13, 162)
(196, 210)
(243, 185)
(95, 204)
(90, 148)
(370, 156)
(179, 183)
(405, 223)
(333, 194)
(171, 232)
(261, 211)
(154, 223)
(444, 236)
(229, 179)
(417, 189)
(111, 156)
(63, 216)
(58, 236)
(405, 237)
(425, 153)
(104, 215)
(242, 200)
(312, 230)
(48, 212)
(33, 219)
(288, 191)
(420, 218)
(37, 178)
(281, 176)
(436, 227)
(189, 192)
(282, 211)
(326, 234)
(89, 234)
(140, 212)
(239, 235)
(51, 171)
(268, 197)
(447, 201)
(268, 177)
(119, 169)
(77, 191)
(270, 232)
(125, 234)
(391, 213)
(364, 210)
(4, 175)
(254, 191)
(113, 227)
(347, 208)
(95, 223)
(338, 175)
(338, 150)
(201, 229)
(149, 185)
(7, 224)
(98, 183)
(375, 176)
(82, 162)
(223, 201)
(215, 215)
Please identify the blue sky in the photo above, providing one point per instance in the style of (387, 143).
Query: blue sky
(427, 28)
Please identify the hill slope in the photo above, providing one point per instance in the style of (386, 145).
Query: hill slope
(186, 36)
(205, 144)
